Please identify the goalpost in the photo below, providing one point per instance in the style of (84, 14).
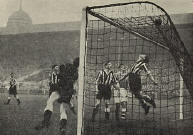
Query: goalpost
(181, 92)
(81, 73)
(120, 33)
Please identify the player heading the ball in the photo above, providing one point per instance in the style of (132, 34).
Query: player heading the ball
(135, 81)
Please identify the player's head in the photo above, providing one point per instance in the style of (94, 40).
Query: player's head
(108, 65)
(144, 58)
(76, 62)
(55, 68)
(121, 66)
(12, 74)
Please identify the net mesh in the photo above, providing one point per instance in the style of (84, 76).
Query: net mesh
(120, 33)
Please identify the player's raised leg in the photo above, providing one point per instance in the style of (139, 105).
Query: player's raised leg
(135, 80)
(144, 104)
(150, 100)
(8, 100)
(117, 103)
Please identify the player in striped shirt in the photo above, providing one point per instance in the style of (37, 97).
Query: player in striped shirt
(53, 96)
(13, 89)
(135, 82)
(53, 82)
(105, 80)
(120, 95)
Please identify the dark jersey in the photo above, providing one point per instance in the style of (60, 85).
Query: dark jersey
(67, 77)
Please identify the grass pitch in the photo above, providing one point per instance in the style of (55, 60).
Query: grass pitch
(21, 119)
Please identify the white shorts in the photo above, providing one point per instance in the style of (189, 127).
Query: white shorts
(120, 97)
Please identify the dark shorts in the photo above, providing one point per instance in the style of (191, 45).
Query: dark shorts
(65, 95)
(135, 83)
(13, 90)
(65, 99)
(104, 92)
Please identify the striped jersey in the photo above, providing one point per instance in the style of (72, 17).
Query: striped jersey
(105, 78)
(12, 82)
(53, 78)
(138, 67)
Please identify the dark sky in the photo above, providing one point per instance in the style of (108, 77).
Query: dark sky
(48, 11)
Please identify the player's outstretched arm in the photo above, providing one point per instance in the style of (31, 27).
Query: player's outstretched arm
(149, 74)
(152, 79)
(124, 77)
(97, 80)
(96, 87)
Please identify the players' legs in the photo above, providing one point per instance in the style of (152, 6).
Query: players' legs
(117, 111)
(107, 97)
(123, 96)
(135, 87)
(149, 100)
(96, 108)
(63, 114)
(99, 97)
(17, 98)
(50, 102)
(9, 96)
(139, 96)
(63, 118)
(98, 102)
(117, 103)
(123, 109)
(71, 104)
(8, 99)
(107, 109)
(48, 110)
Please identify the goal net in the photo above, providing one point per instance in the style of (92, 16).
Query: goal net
(120, 33)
